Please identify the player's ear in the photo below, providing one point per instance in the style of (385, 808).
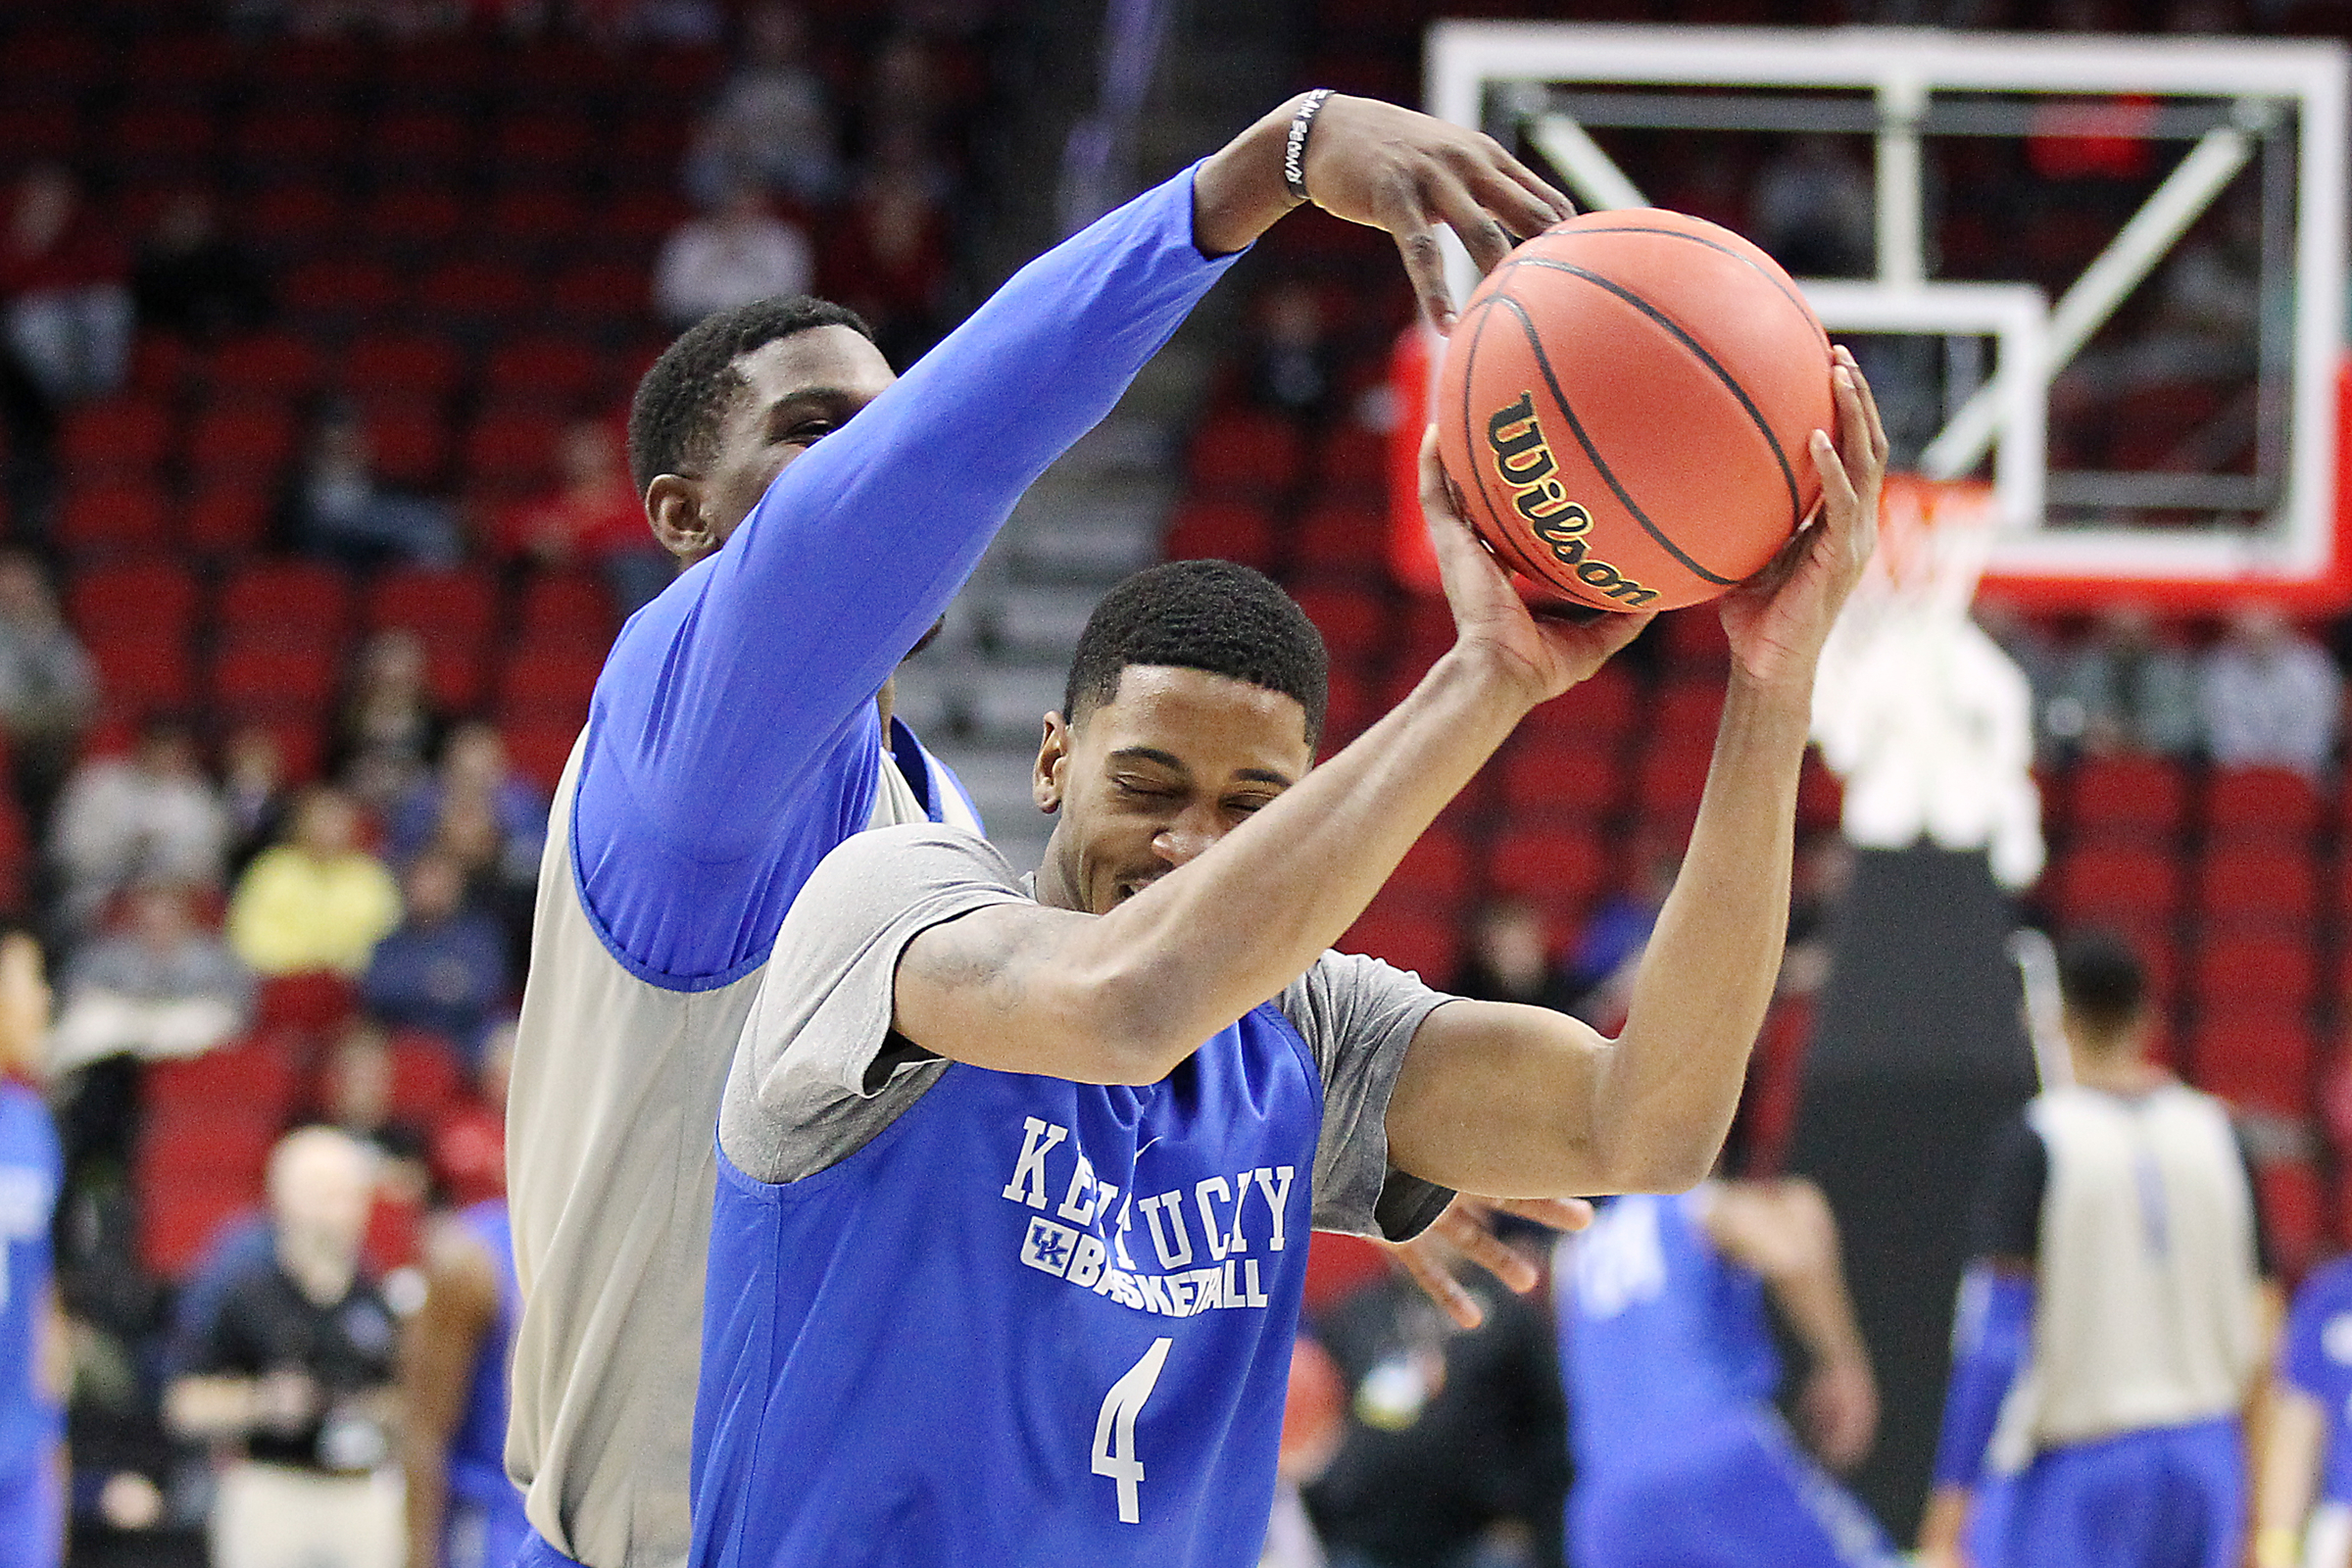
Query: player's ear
(1052, 765)
(674, 505)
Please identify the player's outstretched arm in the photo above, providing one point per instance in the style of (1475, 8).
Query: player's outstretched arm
(1495, 1097)
(1784, 1231)
(2287, 1448)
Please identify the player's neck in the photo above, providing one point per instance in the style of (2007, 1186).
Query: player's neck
(2123, 1073)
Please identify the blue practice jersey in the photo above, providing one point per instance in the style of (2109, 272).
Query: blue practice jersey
(31, 1166)
(2317, 1358)
(477, 1452)
(1660, 1333)
(1032, 1321)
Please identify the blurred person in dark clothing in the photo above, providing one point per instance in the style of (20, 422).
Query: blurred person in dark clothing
(340, 511)
(48, 690)
(193, 279)
(472, 766)
(1455, 1454)
(291, 1377)
(445, 968)
(593, 514)
(1511, 958)
(388, 727)
(254, 793)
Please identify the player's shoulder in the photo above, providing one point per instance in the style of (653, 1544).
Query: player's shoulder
(915, 852)
(1339, 986)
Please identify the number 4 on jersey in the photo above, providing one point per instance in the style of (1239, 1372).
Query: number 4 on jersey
(1114, 1429)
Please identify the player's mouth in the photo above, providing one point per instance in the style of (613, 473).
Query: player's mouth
(1128, 887)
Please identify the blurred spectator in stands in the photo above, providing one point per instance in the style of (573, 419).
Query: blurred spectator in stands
(773, 127)
(474, 767)
(445, 968)
(1511, 958)
(1609, 948)
(317, 900)
(1812, 209)
(65, 312)
(1293, 363)
(502, 873)
(151, 817)
(48, 689)
(2272, 695)
(291, 1373)
(470, 1142)
(738, 252)
(355, 1097)
(1455, 1454)
(254, 793)
(162, 985)
(2126, 687)
(337, 509)
(388, 727)
(193, 279)
(595, 516)
(886, 257)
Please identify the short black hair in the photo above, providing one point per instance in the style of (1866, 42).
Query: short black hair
(1214, 615)
(673, 420)
(2101, 980)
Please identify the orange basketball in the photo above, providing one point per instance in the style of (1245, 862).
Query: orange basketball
(1625, 405)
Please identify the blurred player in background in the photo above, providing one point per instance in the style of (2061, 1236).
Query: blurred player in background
(455, 1355)
(33, 1342)
(824, 516)
(2303, 1471)
(2114, 1318)
(1668, 1357)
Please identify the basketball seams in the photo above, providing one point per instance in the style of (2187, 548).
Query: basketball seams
(1768, 274)
(1699, 351)
(1592, 456)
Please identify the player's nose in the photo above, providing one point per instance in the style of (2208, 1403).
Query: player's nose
(1188, 837)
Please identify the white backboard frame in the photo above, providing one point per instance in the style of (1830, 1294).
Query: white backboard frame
(1467, 61)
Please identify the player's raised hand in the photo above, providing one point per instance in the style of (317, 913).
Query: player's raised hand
(1777, 619)
(1392, 169)
(1466, 1230)
(1551, 655)
(1387, 167)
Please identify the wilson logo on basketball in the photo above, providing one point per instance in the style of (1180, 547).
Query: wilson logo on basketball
(1524, 463)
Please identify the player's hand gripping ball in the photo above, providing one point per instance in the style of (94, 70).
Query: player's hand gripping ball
(1625, 405)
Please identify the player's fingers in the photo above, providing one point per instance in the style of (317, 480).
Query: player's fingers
(1408, 224)
(1463, 565)
(1437, 1283)
(1492, 1253)
(1559, 1213)
(1840, 507)
(1875, 425)
(1522, 209)
(1482, 232)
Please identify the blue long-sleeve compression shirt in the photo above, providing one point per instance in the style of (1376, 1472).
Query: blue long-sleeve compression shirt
(732, 740)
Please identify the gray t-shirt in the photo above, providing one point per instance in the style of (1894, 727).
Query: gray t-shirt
(819, 1072)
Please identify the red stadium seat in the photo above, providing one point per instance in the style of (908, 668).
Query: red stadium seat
(1354, 620)
(2145, 792)
(1437, 873)
(2257, 1058)
(2240, 880)
(540, 147)
(227, 517)
(1693, 641)
(1672, 775)
(409, 439)
(309, 1004)
(477, 289)
(179, 1220)
(549, 681)
(601, 293)
(250, 439)
(546, 368)
(159, 137)
(122, 436)
(644, 216)
(153, 597)
(1337, 536)
(269, 676)
(426, 1079)
(510, 451)
(295, 218)
(1820, 796)
(451, 605)
(537, 217)
(1250, 452)
(267, 364)
(418, 216)
(2274, 968)
(1597, 711)
(539, 747)
(258, 1073)
(309, 135)
(141, 672)
(405, 364)
(566, 606)
(1548, 779)
(1687, 712)
(1220, 530)
(415, 141)
(345, 289)
(2103, 880)
(1428, 945)
(114, 516)
(1561, 867)
(2293, 1200)
(2262, 799)
(1353, 460)
(286, 600)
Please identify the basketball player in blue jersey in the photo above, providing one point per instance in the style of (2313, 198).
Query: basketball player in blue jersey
(1015, 1180)
(1681, 1459)
(825, 514)
(454, 1354)
(2115, 1316)
(32, 1350)
(2303, 1468)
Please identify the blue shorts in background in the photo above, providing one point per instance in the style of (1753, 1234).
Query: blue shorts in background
(33, 1512)
(2173, 1497)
